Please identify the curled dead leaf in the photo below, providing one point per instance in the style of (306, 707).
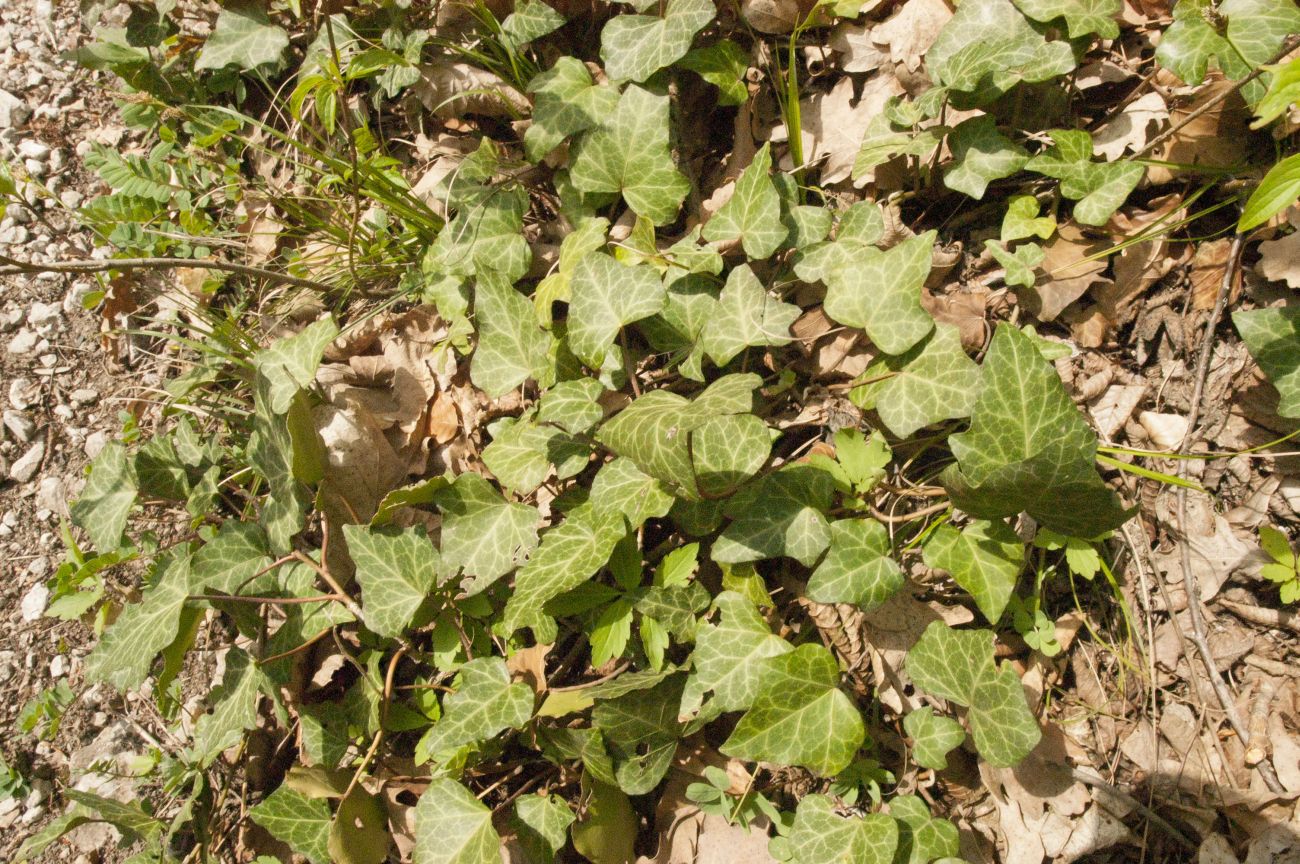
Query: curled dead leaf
(453, 89)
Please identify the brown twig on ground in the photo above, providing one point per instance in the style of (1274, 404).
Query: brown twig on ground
(1198, 636)
(1105, 789)
(1278, 619)
(13, 267)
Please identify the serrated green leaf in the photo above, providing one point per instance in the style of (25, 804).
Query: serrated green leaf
(746, 315)
(980, 155)
(1082, 17)
(858, 568)
(532, 19)
(932, 737)
(1019, 264)
(629, 154)
(541, 825)
(1278, 190)
(569, 555)
(634, 47)
(800, 717)
(1273, 338)
(724, 65)
(731, 656)
(454, 827)
(932, 381)
(984, 558)
(752, 213)
(1028, 448)
(523, 452)
(568, 103)
(234, 709)
(605, 296)
(780, 514)
(572, 405)
(989, 45)
(125, 653)
(243, 37)
(511, 347)
(397, 569)
(298, 820)
(484, 704)
(1004, 728)
(290, 364)
(921, 838)
(820, 836)
(104, 505)
(483, 535)
(1022, 220)
(880, 292)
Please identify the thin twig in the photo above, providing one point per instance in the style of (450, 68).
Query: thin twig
(1099, 783)
(13, 267)
(910, 516)
(1198, 636)
(383, 718)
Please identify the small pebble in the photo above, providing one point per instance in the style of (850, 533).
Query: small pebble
(25, 468)
(35, 601)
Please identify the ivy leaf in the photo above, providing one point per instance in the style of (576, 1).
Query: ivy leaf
(511, 347)
(780, 514)
(605, 296)
(126, 651)
(1283, 92)
(1082, 17)
(397, 570)
(800, 717)
(1020, 264)
(454, 827)
(752, 213)
(932, 737)
(922, 838)
(1099, 187)
(634, 47)
(746, 316)
(988, 45)
(568, 103)
(532, 19)
(980, 155)
(1028, 448)
(287, 451)
(290, 364)
(932, 381)
(1004, 728)
(857, 569)
(231, 558)
(570, 554)
(483, 535)
(882, 142)
(486, 234)
(542, 826)
(723, 65)
(1250, 34)
(1022, 220)
(880, 292)
(984, 558)
(243, 37)
(731, 656)
(949, 663)
(572, 405)
(629, 154)
(820, 836)
(523, 452)
(484, 704)
(587, 237)
(298, 820)
(622, 486)
(105, 503)
(642, 731)
(1273, 338)
(234, 709)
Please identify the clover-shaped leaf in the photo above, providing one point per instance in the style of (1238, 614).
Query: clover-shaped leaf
(932, 737)
(1273, 338)
(731, 656)
(929, 382)
(752, 213)
(1022, 220)
(397, 570)
(980, 155)
(858, 568)
(800, 716)
(984, 558)
(634, 47)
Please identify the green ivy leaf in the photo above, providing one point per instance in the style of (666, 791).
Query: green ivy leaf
(629, 154)
(573, 405)
(1099, 187)
(800, 717)
(621, 486)
(922, 838)
(287, 451)
(523, 452)
(104, 505)
(1273, 338)
(290, 364)
(541, 825)
(932, 381)
(532, 19)
(882, 142)
(1020, 264)
(569, 555)
(980, 155)
(484, 704)
(1250, 34)
(820, 836)
(1022, 220)
(731, 656)
(605, 296)
(747, 315)
(568, 103)
(1082, 17)
(511, 347)
(245, 38)
(642, 732)
(230, 559)
(984, 558)
(1028, 448)
(1278, 190)
(724, 65)
(780, 514)
(125, 653)
(234, 709)
(1002, 725)
(397, 570)
(298, 820)
(634, 47)
(880, 292)
(752, 213)
(454, 827)
(486, 234)
(1283, 92)
(858, 568)
(483, 535)
(989, 46)
(932, 737)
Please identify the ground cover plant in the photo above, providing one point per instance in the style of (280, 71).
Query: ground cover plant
(686, 439)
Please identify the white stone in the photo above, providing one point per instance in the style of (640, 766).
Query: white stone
(22, 427)
(58, 666)
(29, 463)
(32, 149)
(45, 318)
(13, 111)
(35, 601)
(95, 442)
(84, 396)
(23, 342)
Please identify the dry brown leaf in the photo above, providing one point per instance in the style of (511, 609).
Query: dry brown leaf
(1099, 72)
(834, 124)
(1165, 430)
(444, 419)
(1130, 129)
(1216, 550)
(911, 30)
(1069, 272)
(858, 53)
(1212, 139)
(1215, 849)
(529, 665)
(1111, 411)
(1206, 272)
(260, 228)
(361, 466)
(1286, 752)
(450, 89)
(772, 16)
(1279, 260)
(965, 310)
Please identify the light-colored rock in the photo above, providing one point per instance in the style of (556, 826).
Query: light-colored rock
(84, 396)
(26, 466)
(32, 149)
(52, 496)
(23, 342)
(35, 601)
(13, 111)
(22, 427)
(95, 442)
(45, 318)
